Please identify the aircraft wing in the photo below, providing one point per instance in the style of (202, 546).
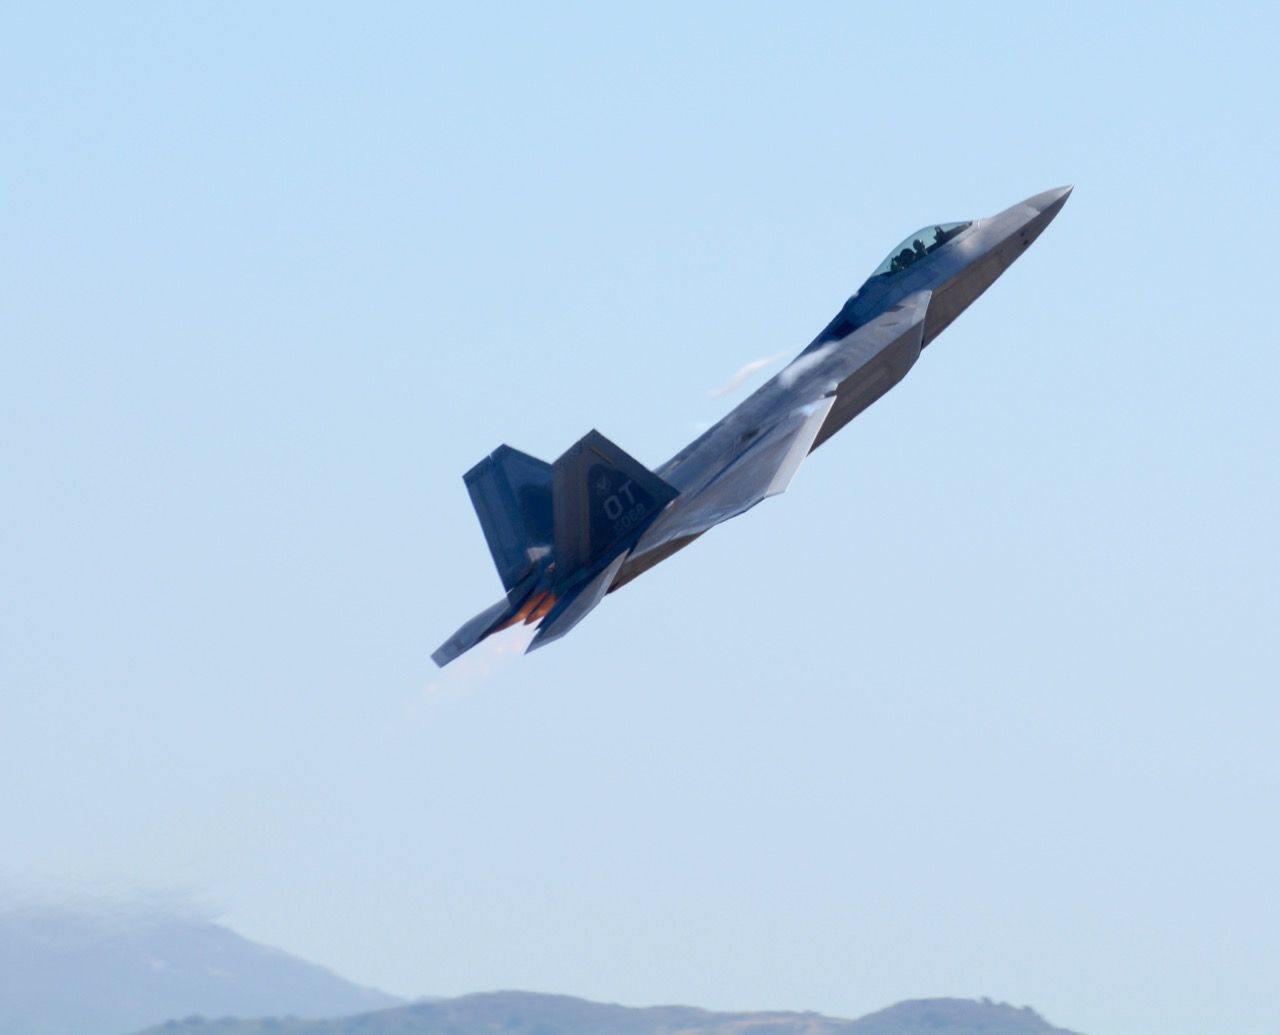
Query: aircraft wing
(763, 467)
(759, 447)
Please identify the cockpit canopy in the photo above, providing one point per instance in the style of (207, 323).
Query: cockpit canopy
(918, 245)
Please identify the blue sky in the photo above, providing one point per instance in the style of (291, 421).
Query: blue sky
(985, 705)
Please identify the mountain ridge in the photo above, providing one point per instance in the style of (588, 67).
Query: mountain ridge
(532, 1013)
(67, 971)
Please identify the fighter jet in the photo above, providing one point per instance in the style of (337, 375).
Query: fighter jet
(564, 534)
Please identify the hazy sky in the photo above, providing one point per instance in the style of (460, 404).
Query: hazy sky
(986, 705)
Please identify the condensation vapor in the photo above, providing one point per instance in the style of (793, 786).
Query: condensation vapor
(745, 374)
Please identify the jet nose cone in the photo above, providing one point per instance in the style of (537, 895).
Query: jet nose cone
(1049, 202)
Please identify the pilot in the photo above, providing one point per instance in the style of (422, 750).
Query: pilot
(919, 247)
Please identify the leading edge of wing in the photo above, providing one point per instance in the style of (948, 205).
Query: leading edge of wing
(813, 373)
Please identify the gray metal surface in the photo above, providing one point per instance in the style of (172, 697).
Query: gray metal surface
(613, 519)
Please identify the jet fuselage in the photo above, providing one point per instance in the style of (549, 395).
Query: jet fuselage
(563, 535)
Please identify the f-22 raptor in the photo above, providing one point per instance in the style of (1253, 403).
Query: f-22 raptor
(564, 534)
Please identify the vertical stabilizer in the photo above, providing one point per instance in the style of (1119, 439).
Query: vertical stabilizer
(558, 533)
(511, 492)
(604, 499)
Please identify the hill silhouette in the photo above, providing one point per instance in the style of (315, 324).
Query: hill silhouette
(526, 1013)
(102, 972)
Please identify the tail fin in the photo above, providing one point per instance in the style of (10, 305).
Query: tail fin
(604, 499)
(511, 492)
(584, 513)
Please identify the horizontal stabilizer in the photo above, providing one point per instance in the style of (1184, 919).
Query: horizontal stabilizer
(486, 622)
(472, 633)
(573, 607)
